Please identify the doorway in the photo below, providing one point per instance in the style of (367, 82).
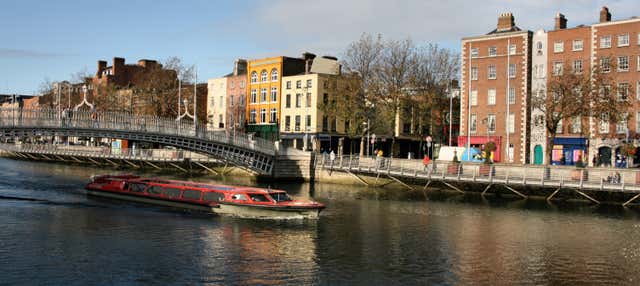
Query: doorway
(605, 156)
(537, 155)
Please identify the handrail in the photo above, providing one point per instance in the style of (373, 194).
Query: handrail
(122, 121)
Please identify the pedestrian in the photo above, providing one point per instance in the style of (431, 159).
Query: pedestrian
(332, 157)
(594, 161)
(563, 160)
(425, 161)
(455, 156)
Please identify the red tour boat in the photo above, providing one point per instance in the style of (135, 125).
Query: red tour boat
(220, 199)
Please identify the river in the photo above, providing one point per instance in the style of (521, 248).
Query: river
(52, 233)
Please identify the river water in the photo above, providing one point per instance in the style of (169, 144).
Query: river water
(52, 233)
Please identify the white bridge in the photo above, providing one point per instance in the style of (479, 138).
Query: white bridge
(241, 150)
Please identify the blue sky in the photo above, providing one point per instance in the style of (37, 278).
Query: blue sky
(54, 39)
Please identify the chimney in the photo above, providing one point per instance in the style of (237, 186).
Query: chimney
(308, 61)
(605, 16)
(101, 66)
(118, 65)
(561, 22)
(506, 22)
(240, 67)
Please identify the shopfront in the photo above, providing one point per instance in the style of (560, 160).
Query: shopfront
(572, 148)
(479, 141)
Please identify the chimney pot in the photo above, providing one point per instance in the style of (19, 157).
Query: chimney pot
(605, 16)
(506, 22)
(561, 22)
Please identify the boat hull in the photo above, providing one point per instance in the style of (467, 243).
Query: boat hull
(260, 212)
(234, 210)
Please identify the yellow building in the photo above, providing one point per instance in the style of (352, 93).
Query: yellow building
(264, 90)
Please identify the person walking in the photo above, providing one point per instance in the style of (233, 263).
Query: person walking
(332, 157)
(563, 160)
(594, 161)
(425, 161)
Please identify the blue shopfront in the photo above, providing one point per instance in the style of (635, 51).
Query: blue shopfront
(572, 148)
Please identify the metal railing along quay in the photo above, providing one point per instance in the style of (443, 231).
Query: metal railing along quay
(509, 175)
(120, 121)
(155, 155)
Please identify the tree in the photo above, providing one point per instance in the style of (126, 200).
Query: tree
(360, 63)
(572, 95)
(392, 80)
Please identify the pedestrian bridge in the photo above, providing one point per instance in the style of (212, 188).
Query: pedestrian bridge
(239, 149)
(522, 180)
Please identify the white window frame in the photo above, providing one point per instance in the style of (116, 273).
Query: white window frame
(578, 45)
(512, 95)
(474, 52)
(254, 77)
(474, 97)
(253, 117)
(623, 90)
(512, 70)
(638, 94)
(577, 69)
(491, 123)
(263, 115)
(288, 84)
(493, 51)
(474, 73)
(605, 68)
(298, 84)
(274, 94)
(558, 46)
(263, 94)
(605, 42)
(491, 96)
(638, 62)
(309, 83)
(576, 125)
(558, 68)
(511, 123)
(622, 125)
(254, 95)
(604, 125)
(274, 75)
(473, 125)
(623, 63)
(273, 115)
(512, 49)
(264, 76)
(623, 40)
(491, 72)
(298, 100)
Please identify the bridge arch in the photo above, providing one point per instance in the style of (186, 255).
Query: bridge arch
(254, 154)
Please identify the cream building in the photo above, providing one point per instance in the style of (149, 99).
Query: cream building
(303, 124)
(216, 101)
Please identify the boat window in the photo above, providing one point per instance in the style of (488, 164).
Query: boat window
(240, 197)
(154, 190)
(280, 197)
(258, 198)
(191, 194)
(138, 188)
(172, 193)
(213, 196)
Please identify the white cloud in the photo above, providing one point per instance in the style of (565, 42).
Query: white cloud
(291, 26)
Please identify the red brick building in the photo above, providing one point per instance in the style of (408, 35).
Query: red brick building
(236, 101)
(495, 89)
(124, 75)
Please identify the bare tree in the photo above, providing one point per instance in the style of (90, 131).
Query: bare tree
(360, 63)
(392, 79)
(572, 95)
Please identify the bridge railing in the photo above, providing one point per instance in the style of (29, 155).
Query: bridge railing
(106, 152)
(121, 121)
(609, 178)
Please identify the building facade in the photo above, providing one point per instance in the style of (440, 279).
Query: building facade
(495, 88)
(236, 97)
(304, 124)
(613, 46)
(264, 82)
(538, 138)
(217, 103)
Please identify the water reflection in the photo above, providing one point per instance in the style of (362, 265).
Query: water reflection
(52, 233)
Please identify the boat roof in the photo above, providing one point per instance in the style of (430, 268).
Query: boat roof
(206, 186)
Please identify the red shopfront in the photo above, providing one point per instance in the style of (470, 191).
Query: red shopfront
(479, 141)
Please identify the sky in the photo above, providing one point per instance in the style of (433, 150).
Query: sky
(52, 40)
